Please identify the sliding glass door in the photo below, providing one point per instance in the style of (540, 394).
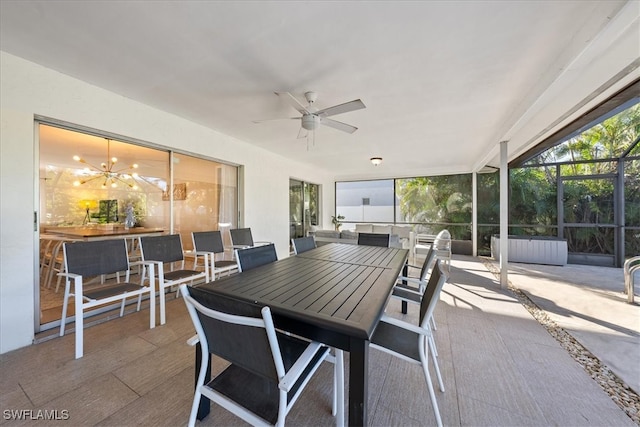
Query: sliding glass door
(92, 181)
(303, 207)
(204, 197)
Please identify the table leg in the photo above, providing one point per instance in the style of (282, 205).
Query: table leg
(205, 406)
(405, 273)
(358, 382)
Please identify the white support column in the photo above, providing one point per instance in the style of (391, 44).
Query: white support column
(474, 213)
(504, 215)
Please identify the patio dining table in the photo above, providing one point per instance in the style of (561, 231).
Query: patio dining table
(99, 233)
(334, 294)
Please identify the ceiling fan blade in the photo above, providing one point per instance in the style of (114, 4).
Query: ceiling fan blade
(342, 108)
(272, 120)
(338, 125)
(293, 102)
(303, 133)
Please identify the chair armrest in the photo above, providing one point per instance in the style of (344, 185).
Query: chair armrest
(405, 325)
(69, 275)
(203, 253)
(298, 368)
(407, 294)
(144, 262)
(411, 280)
(407, 289)
(194, 340)
(423, 245)
(415, 266)
(240, 246)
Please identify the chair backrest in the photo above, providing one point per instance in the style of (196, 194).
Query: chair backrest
(431, 255)
(96, 258)
(256, 256)
(442, 240)
(431, 294)
(167, 248)
(243, 345)
(373, 239)
(241, 237)
(303, 244)
(208, 241)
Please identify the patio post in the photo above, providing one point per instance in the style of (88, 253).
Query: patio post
(504, 215)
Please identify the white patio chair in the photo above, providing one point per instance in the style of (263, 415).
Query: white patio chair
(374, 239)
(268, 369)
(442, 246)
(167, 250)
(412, 343)
(255, 256)
(87, 259)
(422, 244)
(303, 244)
(242, 238)
(210, 242)
(411, 288)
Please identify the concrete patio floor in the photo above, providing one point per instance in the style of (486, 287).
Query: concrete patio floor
(500, 366)
(588, 302)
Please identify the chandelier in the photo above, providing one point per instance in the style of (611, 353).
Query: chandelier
(107, 172)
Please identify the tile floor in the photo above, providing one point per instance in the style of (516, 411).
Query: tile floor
(500, 368)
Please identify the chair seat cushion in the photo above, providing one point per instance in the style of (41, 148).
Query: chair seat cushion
(225, 264)
(257, 393)
(253, 392)
(109, 291)
(181, 274)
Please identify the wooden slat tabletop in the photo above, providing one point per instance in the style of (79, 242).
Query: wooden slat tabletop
(338, 287)
(355, 254)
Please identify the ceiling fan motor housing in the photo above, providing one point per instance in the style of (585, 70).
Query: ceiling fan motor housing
(310, 121)
(311, 97)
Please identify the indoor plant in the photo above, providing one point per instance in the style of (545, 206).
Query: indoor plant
(336, 220)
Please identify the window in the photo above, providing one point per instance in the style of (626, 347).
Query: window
(366, 201)
(429, 203)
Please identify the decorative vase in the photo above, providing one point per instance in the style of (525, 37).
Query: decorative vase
(130, 219)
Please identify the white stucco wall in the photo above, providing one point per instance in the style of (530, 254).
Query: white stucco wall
(27, 89)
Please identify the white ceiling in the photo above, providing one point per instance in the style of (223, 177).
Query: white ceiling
(443, 81)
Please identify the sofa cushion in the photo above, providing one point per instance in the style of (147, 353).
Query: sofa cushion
(364, 228)
(348, 234)
(331, 234)
(403, 231)
(382, 229)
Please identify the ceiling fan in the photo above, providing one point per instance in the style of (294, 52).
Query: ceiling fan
(312, 118)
